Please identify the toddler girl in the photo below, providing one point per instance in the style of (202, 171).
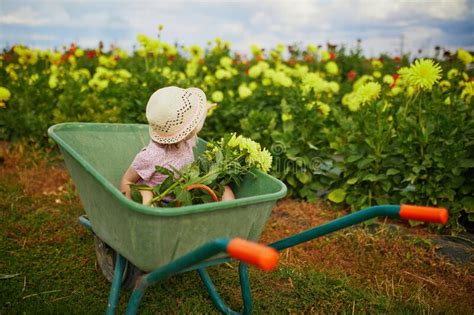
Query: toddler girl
(175, 116)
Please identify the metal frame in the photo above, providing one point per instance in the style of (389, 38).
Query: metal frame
(196, 260)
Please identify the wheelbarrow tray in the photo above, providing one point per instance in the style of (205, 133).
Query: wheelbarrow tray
(97, 155)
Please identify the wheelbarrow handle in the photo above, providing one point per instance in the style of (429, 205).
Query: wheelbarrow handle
(425, 214)
(258, 255)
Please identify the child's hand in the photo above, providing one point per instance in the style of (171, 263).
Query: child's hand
(125, 189)
(130, 177)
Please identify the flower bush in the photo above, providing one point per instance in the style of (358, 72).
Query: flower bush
(362, 130)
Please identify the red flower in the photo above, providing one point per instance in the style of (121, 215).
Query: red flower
(332, 55)
(351, 75)
(396, 59)
(309, 58)
(395, 77)
(201, 61)
(91, 54)
(72, 48)
(116, 58)
(8, 58)
(66, 56)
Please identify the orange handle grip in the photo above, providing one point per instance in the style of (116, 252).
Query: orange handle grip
(261, 256)
(426, 214)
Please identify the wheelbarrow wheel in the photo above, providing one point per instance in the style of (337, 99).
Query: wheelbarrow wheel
(106, 257)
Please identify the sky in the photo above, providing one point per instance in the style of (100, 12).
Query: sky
(383, 26)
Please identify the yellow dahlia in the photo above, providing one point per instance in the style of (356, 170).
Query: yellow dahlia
(464, 56)
(225, 62)
(4, 94)
(422, 74)
(264, 160)
(323, 108)
(445, 85)
(332, 68)
(217, 96)
(453, 73)
(368, 92)
(244, 91)
(468, 91)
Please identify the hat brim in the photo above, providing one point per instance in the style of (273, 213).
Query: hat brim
(198, 119)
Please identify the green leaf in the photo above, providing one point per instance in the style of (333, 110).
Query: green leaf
(467, 163)
(184, 197)
(392, 171)
(165, 185)
(353, 158)
(164, 170)
(370, 178)
(364, 163)
(352, 181)
(386, 185)
(292, 181)
(311, 146)
(337, 195)
(303, 177)
(456, 171)
(468, 203)
(193, 173)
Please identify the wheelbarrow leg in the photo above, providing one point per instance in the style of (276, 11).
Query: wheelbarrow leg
(134, 301)
(116, 283)
(215, 297)
(245, 288)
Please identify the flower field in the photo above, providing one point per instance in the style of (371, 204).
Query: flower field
(359, 131)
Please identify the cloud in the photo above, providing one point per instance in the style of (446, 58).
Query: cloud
(24, 15)
(232, 28)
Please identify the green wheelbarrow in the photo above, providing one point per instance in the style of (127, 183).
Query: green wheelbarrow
(137, 246)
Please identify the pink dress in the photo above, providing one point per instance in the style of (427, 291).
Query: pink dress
(162, 155)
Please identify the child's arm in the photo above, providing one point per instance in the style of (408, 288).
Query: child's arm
(130, 177)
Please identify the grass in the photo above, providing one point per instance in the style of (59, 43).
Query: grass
(48, 262)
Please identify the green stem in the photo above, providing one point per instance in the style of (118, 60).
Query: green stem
(412, 99)
(420, 121)
(166, 192)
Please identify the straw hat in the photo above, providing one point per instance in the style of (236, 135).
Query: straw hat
(173, 113)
